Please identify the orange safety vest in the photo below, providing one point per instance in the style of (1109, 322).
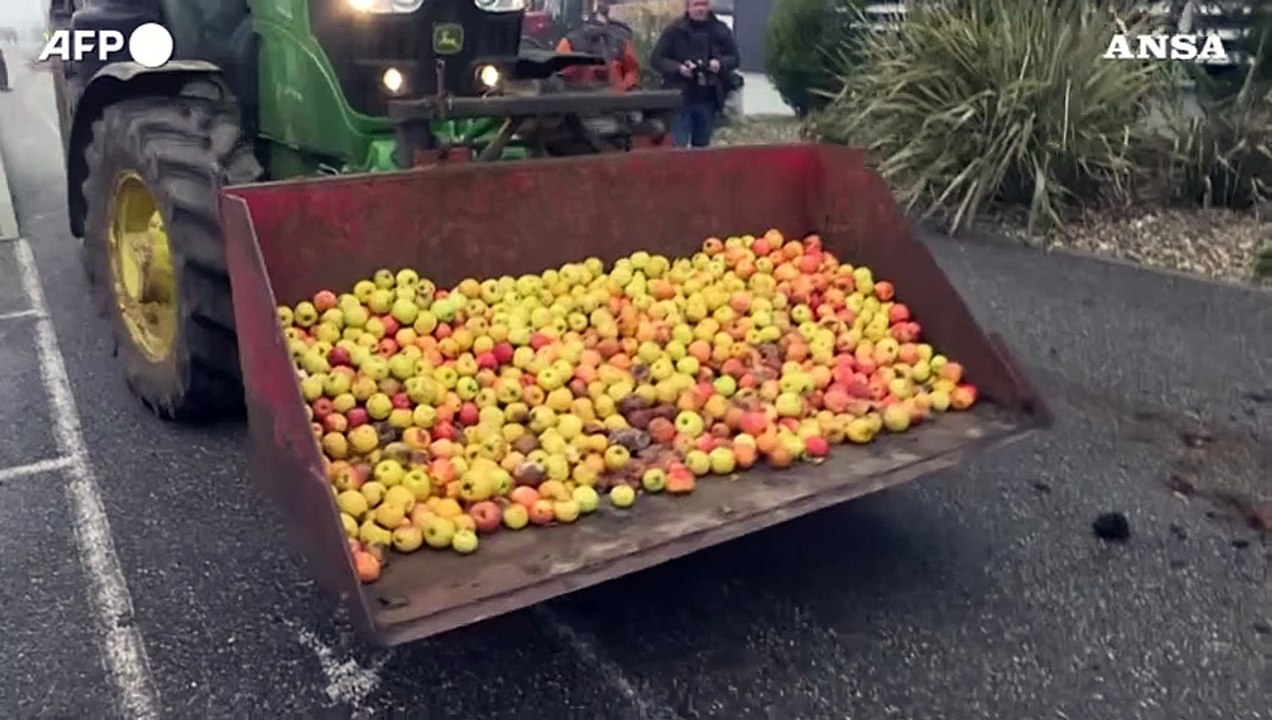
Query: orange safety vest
(621, 70)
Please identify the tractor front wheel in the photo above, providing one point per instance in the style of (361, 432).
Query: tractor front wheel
(153, 246)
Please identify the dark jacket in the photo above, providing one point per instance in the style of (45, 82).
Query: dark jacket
(4, 73)
(687, 40)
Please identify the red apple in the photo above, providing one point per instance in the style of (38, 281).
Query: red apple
(391, 325)
(402, 401)
(541, 512)
(817, 446)
(836, 399)
(952, 371)
(388, 347)
(444, 431)
(537, 341)
(963, 396)
(486, 515)
(487, 361)
(503, 352)
(468, 414)
(325, 300)
(338, 357)
(357, 416)
(680, 479)
(524, 495)
(322, 408)
(842, 376)
(335, 422)
(909, 353)
(753, 423)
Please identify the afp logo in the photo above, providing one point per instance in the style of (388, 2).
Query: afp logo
(150, 45)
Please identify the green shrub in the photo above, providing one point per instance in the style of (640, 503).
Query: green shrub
(1221, 152)
(810, 44)
(647, 24)
(1263, 264)
(1223, 156)
(996, 100)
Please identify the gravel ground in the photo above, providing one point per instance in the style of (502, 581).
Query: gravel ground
(758, 130)
(1215, 243)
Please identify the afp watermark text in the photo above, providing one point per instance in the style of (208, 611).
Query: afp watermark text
(150, 45)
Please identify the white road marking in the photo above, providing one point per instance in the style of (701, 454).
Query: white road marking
(592, 656)
(35, 468)
(19, 314)
(126, 659)
(348, 682)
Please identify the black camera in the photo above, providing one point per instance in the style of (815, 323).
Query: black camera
(701, 73)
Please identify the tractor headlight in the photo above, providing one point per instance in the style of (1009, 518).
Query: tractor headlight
(488, 76)
(393, 81)
(501, 5)
(386, 7)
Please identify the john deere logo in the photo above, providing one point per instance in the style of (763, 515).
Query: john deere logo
(448, 38)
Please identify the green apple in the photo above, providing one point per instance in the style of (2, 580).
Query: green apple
(372, 534)
(698, 462)
(654, 480)
(389, 473)
(516, 516)
(401, 496)
(352, 503)
(723, 461)
(689, 423)
(438, 532)
(379, 406)
(381, 301)
(401, 367)
(587, 498)
(622, 496)
(405, 311)
(464, 541)
(407, 538)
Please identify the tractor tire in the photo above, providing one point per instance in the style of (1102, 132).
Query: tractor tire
(182, 148)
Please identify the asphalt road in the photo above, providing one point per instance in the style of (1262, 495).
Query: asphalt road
(977, 593)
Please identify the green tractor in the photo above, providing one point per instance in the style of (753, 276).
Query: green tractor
(275, 89)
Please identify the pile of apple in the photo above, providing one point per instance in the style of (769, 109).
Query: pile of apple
(522, 401)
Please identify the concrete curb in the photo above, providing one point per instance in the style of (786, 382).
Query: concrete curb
(8, 220)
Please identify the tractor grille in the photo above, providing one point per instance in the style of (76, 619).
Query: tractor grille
(360, 49)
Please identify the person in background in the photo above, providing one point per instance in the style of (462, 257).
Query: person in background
(4, 74)
(599, 35)
(697, 54)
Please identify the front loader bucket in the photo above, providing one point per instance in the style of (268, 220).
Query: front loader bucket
(287, 240)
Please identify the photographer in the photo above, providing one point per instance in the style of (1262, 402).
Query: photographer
(697, 54)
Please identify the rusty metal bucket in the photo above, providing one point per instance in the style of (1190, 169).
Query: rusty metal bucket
(287, 240)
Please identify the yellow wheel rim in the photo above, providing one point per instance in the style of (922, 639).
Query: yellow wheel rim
(141, 267)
